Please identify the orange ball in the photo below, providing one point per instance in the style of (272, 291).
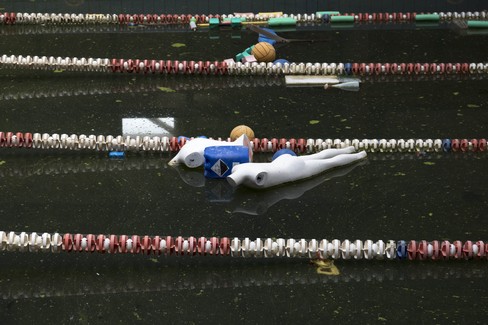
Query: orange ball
(264, 52)
(240, 130)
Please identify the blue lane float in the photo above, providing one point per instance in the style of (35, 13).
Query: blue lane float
(281, 61)
(283, 152)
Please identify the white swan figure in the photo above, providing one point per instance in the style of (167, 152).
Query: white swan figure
(287, 168)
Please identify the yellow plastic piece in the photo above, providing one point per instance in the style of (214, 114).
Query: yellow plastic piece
(326, 267)
(268, 14)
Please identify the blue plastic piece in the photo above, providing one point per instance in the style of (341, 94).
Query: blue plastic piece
(401, 250)
(116, 154)
(283, 152)
(446, 145)
(326, 18)
(282, 61)
(183, 137)
(348, 68)
(219, 160)
(263, 38)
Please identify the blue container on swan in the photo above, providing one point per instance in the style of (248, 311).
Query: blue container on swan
(219, 160)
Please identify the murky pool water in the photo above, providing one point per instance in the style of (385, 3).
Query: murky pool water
(400, 196)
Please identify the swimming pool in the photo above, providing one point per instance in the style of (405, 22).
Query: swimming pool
(399, 196)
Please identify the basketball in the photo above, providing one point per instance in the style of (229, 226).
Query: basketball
(240, 130)
(264, 52)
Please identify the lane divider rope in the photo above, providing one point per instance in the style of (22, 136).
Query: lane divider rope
(173, 144)
(236, 247)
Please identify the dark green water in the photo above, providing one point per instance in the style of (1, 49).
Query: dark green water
(387, 197)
